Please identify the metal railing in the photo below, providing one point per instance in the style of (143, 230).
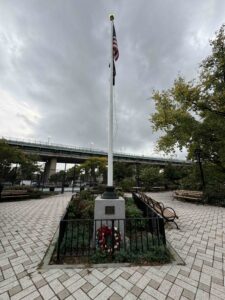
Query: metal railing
(80, 237)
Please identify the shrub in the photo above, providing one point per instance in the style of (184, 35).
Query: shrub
(158, 254)
(127, 183)
(86, 195)
(131, 209)
(151, 176)
(99, 257)
(192, 181)
(215, 194)
(82, 206)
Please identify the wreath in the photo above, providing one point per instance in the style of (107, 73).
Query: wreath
(104, 239)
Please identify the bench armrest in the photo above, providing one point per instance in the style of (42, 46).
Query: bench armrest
(170, 208)
(162, 205)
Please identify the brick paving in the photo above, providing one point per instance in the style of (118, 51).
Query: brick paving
(27, 227)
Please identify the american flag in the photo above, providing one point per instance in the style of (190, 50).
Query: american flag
(115, 53)
(115, 45)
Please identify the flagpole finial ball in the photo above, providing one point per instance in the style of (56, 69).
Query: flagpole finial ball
(111, 17)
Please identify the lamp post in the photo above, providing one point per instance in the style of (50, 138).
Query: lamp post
(198, 153)
(137, 175)
(74, 176)
(63, 180)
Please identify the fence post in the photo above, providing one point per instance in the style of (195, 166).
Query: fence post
(162, 230)
(113, 238)
(59, 241)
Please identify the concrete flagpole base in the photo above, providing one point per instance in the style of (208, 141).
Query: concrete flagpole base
(109, 209)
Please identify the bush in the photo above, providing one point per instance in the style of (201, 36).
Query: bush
(18, 187)
(37, 194)
(127, 183)
(99, 257)
(192, 181)
(86, 195)
(131, 209)
(119, 192)
(158, 254)
(151, 176)
(82, 206)
(215, 194)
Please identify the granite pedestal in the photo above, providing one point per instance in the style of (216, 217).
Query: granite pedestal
(107, 210)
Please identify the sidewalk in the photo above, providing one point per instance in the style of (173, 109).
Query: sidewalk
(27, 227)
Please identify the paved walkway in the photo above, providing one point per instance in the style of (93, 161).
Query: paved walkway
(26, 228)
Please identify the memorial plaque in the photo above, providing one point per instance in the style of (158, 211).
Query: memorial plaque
(110, 210)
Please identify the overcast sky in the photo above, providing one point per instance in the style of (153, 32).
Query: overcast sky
(54, 75)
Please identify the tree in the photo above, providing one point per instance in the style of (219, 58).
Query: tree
(172, 174)
(58, 177)
(14, 163)
(94, 167)
(28, 167)
(151, 176)
(191, 114)
(73, 173)
(122, 170)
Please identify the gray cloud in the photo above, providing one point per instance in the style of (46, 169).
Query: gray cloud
(54, 57)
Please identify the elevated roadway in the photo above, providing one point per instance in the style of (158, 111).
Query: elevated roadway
(69, 154)
(54, 153)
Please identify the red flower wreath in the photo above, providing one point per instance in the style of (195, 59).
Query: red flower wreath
(104, 238)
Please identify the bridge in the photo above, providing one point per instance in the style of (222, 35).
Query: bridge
(53, 153)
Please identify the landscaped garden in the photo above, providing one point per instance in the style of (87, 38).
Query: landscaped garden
(136, 239)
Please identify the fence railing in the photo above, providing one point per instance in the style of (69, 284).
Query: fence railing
(82, 237)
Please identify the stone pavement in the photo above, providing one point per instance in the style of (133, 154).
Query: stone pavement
(26, 228)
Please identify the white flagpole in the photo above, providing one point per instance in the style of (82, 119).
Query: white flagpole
(110, 136)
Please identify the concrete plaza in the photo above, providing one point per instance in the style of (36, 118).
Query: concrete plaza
(27, 227)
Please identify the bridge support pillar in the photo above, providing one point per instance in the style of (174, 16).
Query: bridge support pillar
(50, 169)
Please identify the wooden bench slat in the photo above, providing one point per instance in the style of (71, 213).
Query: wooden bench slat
(188, 195)
(14, 194)
(167, 213)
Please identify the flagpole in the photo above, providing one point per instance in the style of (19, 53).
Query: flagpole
(110, 135)
(110, 192)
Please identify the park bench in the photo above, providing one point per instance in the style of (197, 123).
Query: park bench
(11, 194)
(158, 188)
(196, 196)
(168, 213)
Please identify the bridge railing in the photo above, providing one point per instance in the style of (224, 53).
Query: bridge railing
(49, 145)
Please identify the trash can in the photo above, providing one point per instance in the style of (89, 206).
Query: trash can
(52, 189)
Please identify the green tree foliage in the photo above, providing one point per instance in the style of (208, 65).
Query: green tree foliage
(192, 114)
(151, 176)
(15, 164)
(88, 171)
(94, 167)
(172, 174)
(28, 167)
(132, 211)
(58, 177)
(73, 173)
(127, 183)
(122, 170)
